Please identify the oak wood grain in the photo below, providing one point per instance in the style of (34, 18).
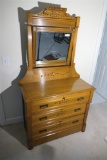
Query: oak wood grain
(56, 99)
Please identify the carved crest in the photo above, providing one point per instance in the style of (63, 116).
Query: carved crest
(54, 12)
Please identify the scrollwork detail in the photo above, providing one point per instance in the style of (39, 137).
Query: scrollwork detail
(55, 12)
(63, 101)
(53, 74)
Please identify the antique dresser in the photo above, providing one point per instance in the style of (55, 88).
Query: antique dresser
(56, 99)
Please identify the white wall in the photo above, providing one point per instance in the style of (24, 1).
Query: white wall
(10, 45)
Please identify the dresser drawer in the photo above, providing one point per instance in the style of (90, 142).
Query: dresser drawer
(56, 134)
(70, 110)
(52, 102)
(40, 130)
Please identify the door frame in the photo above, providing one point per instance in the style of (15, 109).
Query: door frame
(100, 34)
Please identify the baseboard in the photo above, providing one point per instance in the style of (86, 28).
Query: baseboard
(14, 120)
(2, 116)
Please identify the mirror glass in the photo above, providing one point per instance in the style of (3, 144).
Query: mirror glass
(52, 46)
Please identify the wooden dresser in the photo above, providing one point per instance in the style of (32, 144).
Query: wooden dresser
(56, 99)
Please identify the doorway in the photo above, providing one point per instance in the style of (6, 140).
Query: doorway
(100, 76)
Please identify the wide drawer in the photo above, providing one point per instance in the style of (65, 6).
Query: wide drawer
(66, 111)
(40, 130)
(56, 134)
(55, 101)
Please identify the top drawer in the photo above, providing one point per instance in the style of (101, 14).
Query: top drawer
(55, 101)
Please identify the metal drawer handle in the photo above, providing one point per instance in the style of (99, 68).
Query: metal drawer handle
(42, 118)
(80, 98)
(77, 109)
(43, 106)
(76, 121)
(43, 131)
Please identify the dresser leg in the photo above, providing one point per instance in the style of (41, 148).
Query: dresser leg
(83, 128)
(30, 146)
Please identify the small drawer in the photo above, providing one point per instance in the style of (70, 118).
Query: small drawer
(57, 101)
(40, 130)
(66, 111)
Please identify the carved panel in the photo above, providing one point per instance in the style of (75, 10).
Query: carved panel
(54, 12)
(53, 74)
(63, 101)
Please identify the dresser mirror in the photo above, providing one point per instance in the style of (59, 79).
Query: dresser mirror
(52, 46)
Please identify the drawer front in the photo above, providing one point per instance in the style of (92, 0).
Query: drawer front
(58, 113)
(56, 134)
(47, 103)
(39, 130)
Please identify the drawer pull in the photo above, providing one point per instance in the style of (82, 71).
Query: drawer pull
(77, 109)
(42, 118)
(43, 131)
(76, 121)
(80, 98)
(43, 106)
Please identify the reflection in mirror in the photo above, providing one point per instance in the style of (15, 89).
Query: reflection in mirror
(52, 46)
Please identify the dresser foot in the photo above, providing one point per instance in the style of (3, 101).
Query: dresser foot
(84, 127)
(30, 146)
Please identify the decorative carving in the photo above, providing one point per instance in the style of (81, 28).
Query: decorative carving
(63, 101)
(62, 124)
(53, 74)
(54, 12)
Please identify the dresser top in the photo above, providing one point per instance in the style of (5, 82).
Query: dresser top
(43, 89)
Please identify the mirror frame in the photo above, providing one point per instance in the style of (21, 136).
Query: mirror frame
(52, 19)
(51, 62)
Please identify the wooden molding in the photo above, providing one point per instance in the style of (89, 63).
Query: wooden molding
(54, 12)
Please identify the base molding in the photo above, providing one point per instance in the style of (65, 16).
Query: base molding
(14, 120)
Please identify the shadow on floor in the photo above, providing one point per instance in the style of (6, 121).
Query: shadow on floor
(18, 131)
